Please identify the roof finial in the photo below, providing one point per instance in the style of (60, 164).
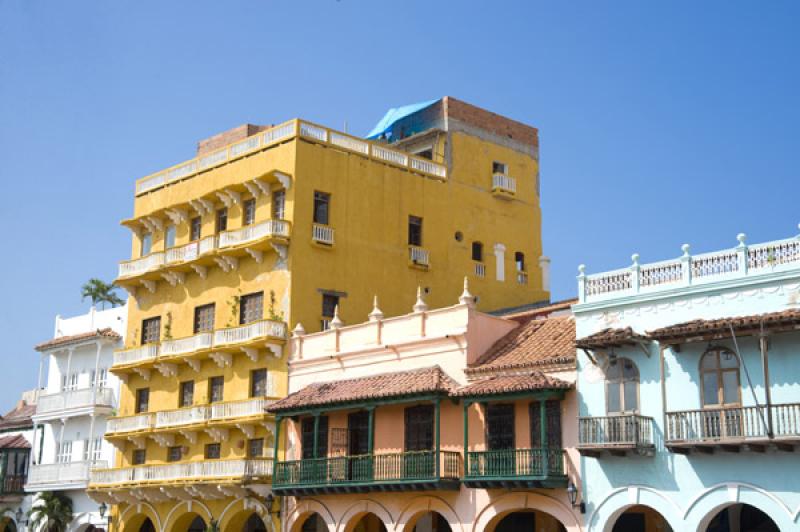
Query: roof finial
(420, 305)
(336, 322)
(298, 330)
(466, 298)
(376, 314)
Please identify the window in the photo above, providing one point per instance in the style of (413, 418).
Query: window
(278, 204)
(307, 435)
(719, 372)
(142, 400)
(322, 206)
(151, 330)
(414, 231)
(138, 457)
(425, 154)
(222, 220)
(249, 212)
(329, 304)
(519, 259)
(419, 428)
(186, 394)
(92, 449)
(169, 236)
(99, 378)
(255, 448)
(204, 318)
(500, 427)
(622, 386)
(477, 251)
(499, 168)
(552, 417)
(251, 307)
(64, 452)
(195, 228)
(258, 383)
(213, 451)
(216, 386)
(358, 433)
(147, 244)
(69, 382)
(174, 453)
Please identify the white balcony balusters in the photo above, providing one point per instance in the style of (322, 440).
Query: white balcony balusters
(182, 416)
(251, 331)
(43, 475)
(187, 345)
(141, 265)
(322, 234)
(136, 354)
(504, 183)
(71, 399)
(236, 409)
(116, 425)
(418, 255)
(251, 233)
(187, 471)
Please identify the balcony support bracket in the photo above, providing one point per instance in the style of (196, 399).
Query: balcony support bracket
(257, 255)
(251, 352)
(190, 435)
(222, 360)
(202, 271)
(143, 373)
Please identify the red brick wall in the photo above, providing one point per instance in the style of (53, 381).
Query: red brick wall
(499, 125)
(227, 137)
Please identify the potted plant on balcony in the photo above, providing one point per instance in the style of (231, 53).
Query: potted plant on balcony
(52, 512)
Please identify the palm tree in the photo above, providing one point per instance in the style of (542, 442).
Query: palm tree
(52, 512)
(101, 292)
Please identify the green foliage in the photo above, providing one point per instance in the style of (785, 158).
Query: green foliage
(101, 292)
(233, 303)
(52, 512)
(168, 327)
(273, 314)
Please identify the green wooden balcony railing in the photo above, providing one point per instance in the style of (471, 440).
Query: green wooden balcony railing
(539, 467)
(397, 471)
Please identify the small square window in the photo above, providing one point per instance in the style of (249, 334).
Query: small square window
(329, 304)
(499, 168)
(249, 212)
(251, 308)
(204, 318)
(174, 454)
(151, 330)
(255, 448)
(213, 451)
(138, 457)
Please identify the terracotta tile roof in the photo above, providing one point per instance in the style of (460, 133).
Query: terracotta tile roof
(385, 385)
(19, 418)
(14, 442)
(500, 384)
(611, 338)
(538, 310)
(720, 328)
(78, 338)
(535, 343)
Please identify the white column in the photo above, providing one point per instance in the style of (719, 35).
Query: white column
(500, 257)
(91, 438)
(96, 372)
(61, 438)
(544, 266)
(69, 363)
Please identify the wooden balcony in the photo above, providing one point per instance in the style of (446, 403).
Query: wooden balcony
(734, 429)
(617, 435)
(516, 468)
(409, 471)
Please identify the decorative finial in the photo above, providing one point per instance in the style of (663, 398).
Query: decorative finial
(466, 298)
(298, 330)
(376, 314)
(420, 305)
(635, 259)
(582, 269)
(741, 238)
(685, 249)
(336, 322)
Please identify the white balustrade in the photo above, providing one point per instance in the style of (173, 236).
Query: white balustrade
(418, 255)
(70, 399)
(234, 409)
(278, 133)
(773, 254)
(322, 234)
(181, 171)
(254, 232)
(522, 277)
(249, 332)
(183, 253)
(424, 165)
(392, 156)
(186, 471)
(714, 264)
(213, 158)
(207, 244)
(615, 281)
(480, 269)
(244, 146)
(182, 416)
(504, 182)
(136, 354)
(350, 143)
(41, 475)
(116, 425)
(111, 476)
(141, 265)
(660, 273)
(315, 132)
(149, 183)
(190, 344)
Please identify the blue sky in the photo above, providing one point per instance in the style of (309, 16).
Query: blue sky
(659, 124)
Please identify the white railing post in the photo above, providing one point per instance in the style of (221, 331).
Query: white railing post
(582, 283)
(741, 254)
(686, 265)
(635, 273)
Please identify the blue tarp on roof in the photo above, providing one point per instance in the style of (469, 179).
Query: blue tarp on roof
(395, 114)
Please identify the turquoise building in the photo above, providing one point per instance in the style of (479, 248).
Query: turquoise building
(689, 392)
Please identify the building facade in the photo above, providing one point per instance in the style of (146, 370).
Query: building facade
(16, 438)
(689, 391)
(77, 393)
(273, 226)
(434, 421)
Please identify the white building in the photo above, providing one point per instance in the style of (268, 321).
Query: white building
(70, 420)
(16, 436)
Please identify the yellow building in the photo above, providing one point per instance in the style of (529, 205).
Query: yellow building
(272, 228)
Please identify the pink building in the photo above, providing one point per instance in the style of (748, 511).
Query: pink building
(438, 420)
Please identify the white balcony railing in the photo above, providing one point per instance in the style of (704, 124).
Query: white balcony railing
(136, 354)
(504, 183)
(418, 255)
(117, 425)
(186, 345)
(687, 270)
(71, 399)
(251, 331)
(183, 253)
(141, 265)
(250, 233)
(182, 416)
(480, 269)
(235, 409)
(43, 475)
(522, 277)
(322, 234)
(187, 471)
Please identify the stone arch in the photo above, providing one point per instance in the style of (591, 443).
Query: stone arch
(134, 515)
(710, 502)
(8, 524)
(518, 501)
(236, 513)
(617, 502)
(183, 513)
(359, 509)
(304, 509)
(425, 503)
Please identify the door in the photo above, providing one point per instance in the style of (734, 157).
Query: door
(359, 463)
(418, 438)
(500, 460)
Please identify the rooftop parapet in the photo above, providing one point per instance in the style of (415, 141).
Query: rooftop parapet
(740, 262)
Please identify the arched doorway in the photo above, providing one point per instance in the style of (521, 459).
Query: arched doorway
(529, 521)
(641, 519)
(147, 526)
(254, 524)
(369, 523)
(431, 522)
(314, 523)
(197, 525)
(7, 525)
(742, 518)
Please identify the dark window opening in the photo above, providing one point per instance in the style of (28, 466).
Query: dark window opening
(307, 434)
(251, 308)
(255, 448)
(222, 220)
(414, 231)
(186, 394)
(196, 228)
(174, 454)
(426, 154)
(499, 168)
(519, 259)
(552, 413)
(278, 204)
(216, 386)
(142, 400)
(500, 427)
(258, 383)
(213, 451)
(322, 204)
(204, 318)
(138, 457)
(358, 433)
(477, 251)
(249, 212)
(419, 428)
(151, 330)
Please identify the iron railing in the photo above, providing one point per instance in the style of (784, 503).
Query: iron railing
(733, 424)
(624, 430)
(541, 462)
